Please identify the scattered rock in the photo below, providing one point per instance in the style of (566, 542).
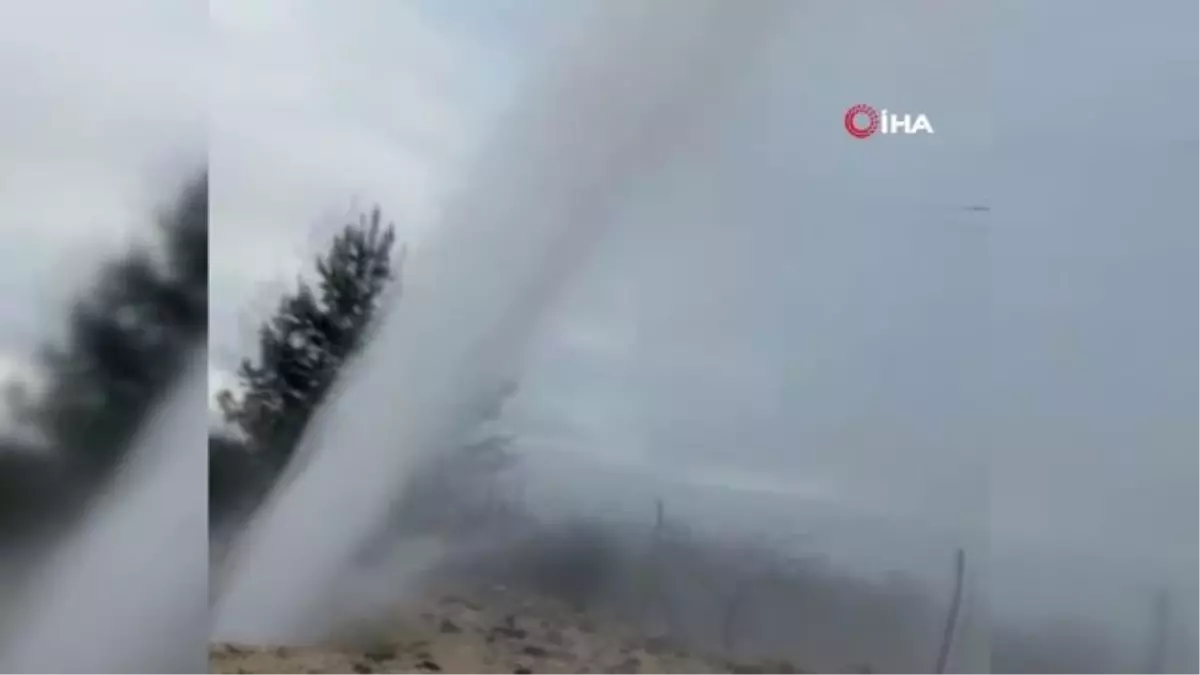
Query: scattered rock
(555, 637)
(417, 645)
(522, 670)
(362, 668)
(658, 644)
(428, 665)
(509, 632)
(779, 666)
(381, 654)
(535, 651)
(448, 626)
(629, 665)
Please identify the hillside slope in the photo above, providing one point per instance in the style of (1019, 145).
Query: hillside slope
(492, 631)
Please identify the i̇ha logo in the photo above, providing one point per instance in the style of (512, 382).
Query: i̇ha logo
(863, 121)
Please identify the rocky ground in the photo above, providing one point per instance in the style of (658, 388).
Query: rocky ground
(487, 633)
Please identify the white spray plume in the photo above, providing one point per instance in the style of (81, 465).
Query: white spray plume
(128, 592)
(609, 109)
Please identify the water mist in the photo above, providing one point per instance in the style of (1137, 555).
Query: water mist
(605, 112)
(127, 592)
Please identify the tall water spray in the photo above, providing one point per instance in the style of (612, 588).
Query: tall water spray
(127, 593)
(607, 111)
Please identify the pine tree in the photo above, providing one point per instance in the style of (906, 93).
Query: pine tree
(312, 333)
(281, 388)
(127, 340)
(353, 274)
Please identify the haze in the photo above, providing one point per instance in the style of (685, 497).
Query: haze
(813, 329)
(791, 312)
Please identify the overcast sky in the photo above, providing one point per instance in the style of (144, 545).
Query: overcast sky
(789, 308)
(786, 305)
(103, 116)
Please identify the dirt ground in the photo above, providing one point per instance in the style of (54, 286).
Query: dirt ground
(454, 634)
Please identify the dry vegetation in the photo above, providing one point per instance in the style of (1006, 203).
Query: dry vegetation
(488, 631)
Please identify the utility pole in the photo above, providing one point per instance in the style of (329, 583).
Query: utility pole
(960, 572)
(1160, 623)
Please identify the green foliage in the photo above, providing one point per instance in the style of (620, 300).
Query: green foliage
(312, 333)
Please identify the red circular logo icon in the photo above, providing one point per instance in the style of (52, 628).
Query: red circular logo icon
(854, 117)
